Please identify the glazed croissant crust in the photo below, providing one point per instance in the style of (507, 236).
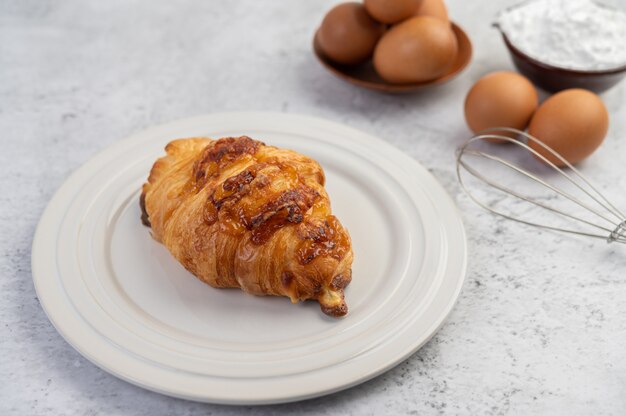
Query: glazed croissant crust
(238, 213)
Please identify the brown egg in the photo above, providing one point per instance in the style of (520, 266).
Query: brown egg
(433, 8)
(573, 123)
(500, 99)
(416, 50)
(391, 11)
(348, 34)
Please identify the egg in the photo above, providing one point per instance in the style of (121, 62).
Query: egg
(348, 34)
(573, 123)
(416, 50)
(391, 11)
(500, 99)
(433, 8)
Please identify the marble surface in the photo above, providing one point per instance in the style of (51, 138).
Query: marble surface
(540, 326)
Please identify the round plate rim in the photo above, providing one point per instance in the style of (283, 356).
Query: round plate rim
(87, 347)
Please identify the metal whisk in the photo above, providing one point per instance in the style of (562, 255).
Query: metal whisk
(608, 222)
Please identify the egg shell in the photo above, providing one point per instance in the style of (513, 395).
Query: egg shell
(348, 35)
(573, 123)
(417, 50)
(433, 8)
(391, 11)
(500, 99)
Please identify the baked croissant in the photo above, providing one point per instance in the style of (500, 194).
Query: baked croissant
(238, 213)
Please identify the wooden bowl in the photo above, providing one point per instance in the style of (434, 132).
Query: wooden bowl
(365, 76)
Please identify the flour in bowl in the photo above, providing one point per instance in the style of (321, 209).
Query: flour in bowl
(572, 34)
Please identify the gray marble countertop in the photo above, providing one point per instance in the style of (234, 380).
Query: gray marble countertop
(540, 326)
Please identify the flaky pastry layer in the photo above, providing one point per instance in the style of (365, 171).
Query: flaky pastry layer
(237, 213)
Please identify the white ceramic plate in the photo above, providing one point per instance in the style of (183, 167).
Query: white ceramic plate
(123, 302)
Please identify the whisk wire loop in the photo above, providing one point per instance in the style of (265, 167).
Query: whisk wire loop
(503, 188)
(617, 230)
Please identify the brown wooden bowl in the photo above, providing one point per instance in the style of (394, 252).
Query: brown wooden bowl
(552, 78)
(365, 76)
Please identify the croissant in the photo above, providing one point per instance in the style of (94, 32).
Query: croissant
(239, 214)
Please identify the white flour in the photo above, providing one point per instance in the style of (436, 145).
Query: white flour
(574, 34)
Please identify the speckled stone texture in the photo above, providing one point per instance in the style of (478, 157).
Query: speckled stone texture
(540, 327)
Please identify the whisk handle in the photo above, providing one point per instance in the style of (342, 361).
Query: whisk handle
(618, 234)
